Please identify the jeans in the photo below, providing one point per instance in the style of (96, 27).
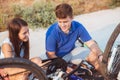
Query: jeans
(77, 55)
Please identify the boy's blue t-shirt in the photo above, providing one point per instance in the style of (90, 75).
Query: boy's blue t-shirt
(61, 43)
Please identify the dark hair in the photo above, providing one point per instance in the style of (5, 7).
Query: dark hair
(63, 10)
(14, 27)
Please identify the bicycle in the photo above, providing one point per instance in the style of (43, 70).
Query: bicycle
(40, 74)
(106, 55)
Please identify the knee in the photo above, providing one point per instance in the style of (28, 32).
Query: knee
(37, 60)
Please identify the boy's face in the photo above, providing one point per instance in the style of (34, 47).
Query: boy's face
(65, 24)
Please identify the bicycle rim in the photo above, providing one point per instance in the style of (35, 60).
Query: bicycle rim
(25, 64)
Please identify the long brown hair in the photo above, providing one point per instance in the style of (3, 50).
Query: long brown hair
(14, 27)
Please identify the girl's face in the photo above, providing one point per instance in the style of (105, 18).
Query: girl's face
(24, 34)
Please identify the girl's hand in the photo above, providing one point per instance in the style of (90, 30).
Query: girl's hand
(4, 74)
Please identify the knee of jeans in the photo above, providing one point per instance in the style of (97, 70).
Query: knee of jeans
(76, 61)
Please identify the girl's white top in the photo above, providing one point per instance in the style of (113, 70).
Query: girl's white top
(7, 40)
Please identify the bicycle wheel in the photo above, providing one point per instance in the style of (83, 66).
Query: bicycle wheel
(107, 51)
(24, 64)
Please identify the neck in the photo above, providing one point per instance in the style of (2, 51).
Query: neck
(66, 32)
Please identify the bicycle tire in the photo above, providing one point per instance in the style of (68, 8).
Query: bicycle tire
(107, 50)
(24, 63)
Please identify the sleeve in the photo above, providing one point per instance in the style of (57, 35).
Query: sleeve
(84, 35)
(50, 42)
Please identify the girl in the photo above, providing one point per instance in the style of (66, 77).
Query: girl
(17, 43)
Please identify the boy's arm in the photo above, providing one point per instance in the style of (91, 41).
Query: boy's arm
(95, 52)
(51, 54)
